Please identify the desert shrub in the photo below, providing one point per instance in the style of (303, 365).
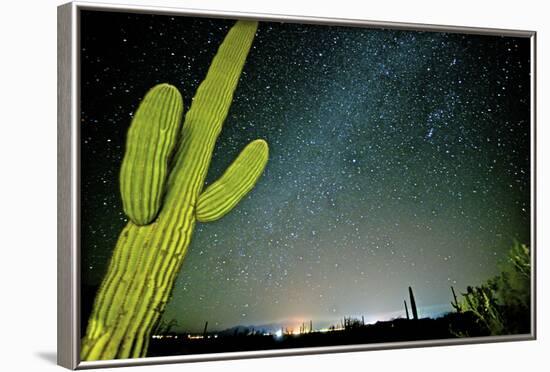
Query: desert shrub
(502, 304)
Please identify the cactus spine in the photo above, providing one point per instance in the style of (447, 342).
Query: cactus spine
(161, 198)
(150, 141)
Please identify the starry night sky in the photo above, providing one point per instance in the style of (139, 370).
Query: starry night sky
(397, 158)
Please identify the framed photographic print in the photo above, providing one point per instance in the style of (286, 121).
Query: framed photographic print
(238, 185)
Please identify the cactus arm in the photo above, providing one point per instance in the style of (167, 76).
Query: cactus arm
(241, 176)
(150, 140)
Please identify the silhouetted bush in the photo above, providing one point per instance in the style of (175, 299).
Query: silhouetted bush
(502, 304)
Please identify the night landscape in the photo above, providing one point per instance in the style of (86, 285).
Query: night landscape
(383, 193)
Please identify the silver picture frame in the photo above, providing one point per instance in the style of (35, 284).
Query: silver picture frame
(68, 181)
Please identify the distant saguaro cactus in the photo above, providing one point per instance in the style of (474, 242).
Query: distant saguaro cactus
(163, 198)
(413, 304)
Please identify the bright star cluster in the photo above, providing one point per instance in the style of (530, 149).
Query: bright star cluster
(397, 158)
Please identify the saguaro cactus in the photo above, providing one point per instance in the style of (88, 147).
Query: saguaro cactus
(413, 304)
(162, 196)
